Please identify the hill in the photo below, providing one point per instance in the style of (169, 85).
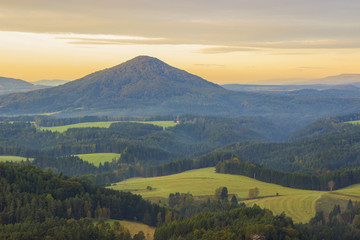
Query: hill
(271, 88)
(300, 205)
(147, 86)
(312, 90)
(329, 80)
(337, 80)
(139, 83)
(55, 206)
(11, 85)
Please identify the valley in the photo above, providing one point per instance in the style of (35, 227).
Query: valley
(179, 120)
(172, 153)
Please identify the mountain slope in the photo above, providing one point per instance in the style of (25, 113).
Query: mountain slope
(142, 81)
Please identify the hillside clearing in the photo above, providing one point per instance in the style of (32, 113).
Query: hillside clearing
(134, 227)
(97, 158)
(13, 159)
(64, 128)
(299, 204)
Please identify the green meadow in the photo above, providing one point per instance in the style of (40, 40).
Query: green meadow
(299, 204)
(13, 159)
(134, 227)
(61, 129)
(97, 158)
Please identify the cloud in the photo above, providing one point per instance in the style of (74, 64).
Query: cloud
(210, 65)
(312, 67)
(204, 22)
(224, 49)
(111, 40)
(290, 53)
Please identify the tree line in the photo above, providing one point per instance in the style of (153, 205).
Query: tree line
(331, 180)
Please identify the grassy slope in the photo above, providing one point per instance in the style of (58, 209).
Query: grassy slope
(134, 227)
(357, 122)
(97, 158)
(13, 159)
(299, 204)
(64, 128)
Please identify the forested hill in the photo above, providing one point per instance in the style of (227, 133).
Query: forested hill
(320, 154)
(337, 125)
(30, 197)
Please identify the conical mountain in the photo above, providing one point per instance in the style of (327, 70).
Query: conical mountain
(141, 82)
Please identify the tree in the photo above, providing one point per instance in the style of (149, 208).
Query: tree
(331, 185)
(159, 219)
(224, 193)
(221, 193)
(139, 236)
(234, 202)
(335, 211)
(350, 205)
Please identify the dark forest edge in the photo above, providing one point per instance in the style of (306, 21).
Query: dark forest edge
(29, 194)
(329, 181)
(256, 223)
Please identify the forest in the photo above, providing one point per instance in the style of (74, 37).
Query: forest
(53, 187)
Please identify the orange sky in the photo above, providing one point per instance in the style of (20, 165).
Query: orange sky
(222, 41)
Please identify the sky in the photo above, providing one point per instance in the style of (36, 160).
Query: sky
(228, 41)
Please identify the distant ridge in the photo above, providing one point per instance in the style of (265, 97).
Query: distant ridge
(12, 85)
(340, 79)
(336, 80)
(51, 83)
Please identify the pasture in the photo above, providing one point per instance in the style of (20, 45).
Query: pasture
(357, 122)
(134, 227)
(97, 158)
(13, 159)
(64, 128)
(299, 204)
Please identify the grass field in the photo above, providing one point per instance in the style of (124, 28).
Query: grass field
(97, 158)
(164, 124)
(134, 227)
(299, 204)
(13, 159)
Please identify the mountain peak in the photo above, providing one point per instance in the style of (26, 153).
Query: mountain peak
(142, 64)
(142, 59)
